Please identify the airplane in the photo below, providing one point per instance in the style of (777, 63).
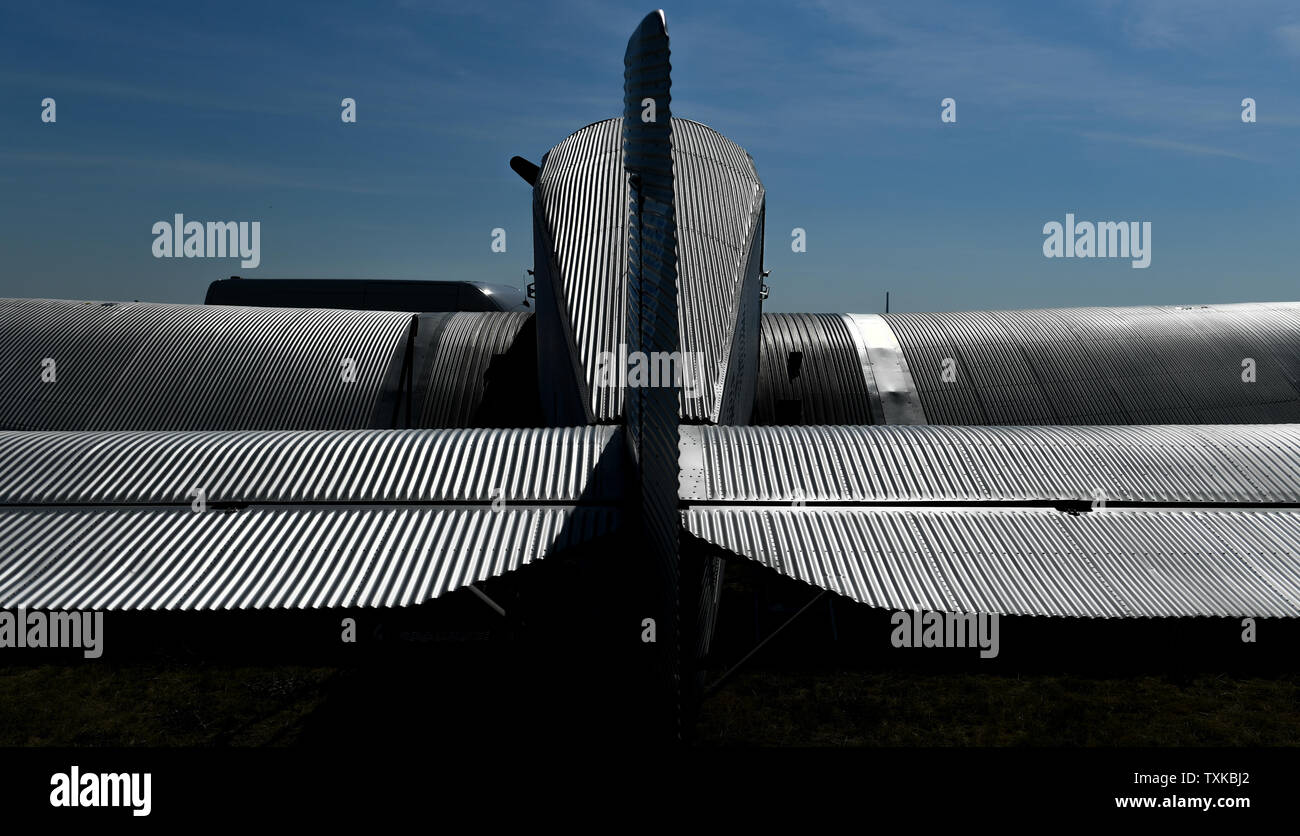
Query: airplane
(1079, 463)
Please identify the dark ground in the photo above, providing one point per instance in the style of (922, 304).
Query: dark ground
(458, 673)
(187, 705)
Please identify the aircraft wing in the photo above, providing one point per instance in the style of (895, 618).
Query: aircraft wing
(190, 520)
(1065, 521)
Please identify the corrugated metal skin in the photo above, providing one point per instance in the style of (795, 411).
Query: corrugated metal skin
(580, 205)
(719, 225)
(581, 201)
(652, 326)
(103, 520)
(740, 376)
(148, 366)
(652, 288)
(1068, 366)
(823, 384)
(1106, 365)
(366, 466)
(1148, 464)
(464, 351)
(271, 557)
(1027, 561)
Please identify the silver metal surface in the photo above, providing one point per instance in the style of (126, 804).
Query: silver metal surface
(884, 367)
(1067, 366)
(1254, 464)
(1140, 521)
(1143, 365)
(720, 205)
(1027, 561)
(808, 373)
(156, 367)
(143, 558)
(284, 466)
(460, 379)
(291, 519)
(580, 205)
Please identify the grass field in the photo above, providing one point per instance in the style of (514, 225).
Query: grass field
(178, 704)
(951, 709)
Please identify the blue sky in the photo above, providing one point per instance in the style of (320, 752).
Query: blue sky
(1111, 110)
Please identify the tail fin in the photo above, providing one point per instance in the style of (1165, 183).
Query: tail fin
(652, 224)
(651, 412)
(647, 111)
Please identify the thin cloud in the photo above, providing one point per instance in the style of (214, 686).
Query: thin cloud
(201, 170)
(1169, 145)
(1289, 35)
(1099, 76)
